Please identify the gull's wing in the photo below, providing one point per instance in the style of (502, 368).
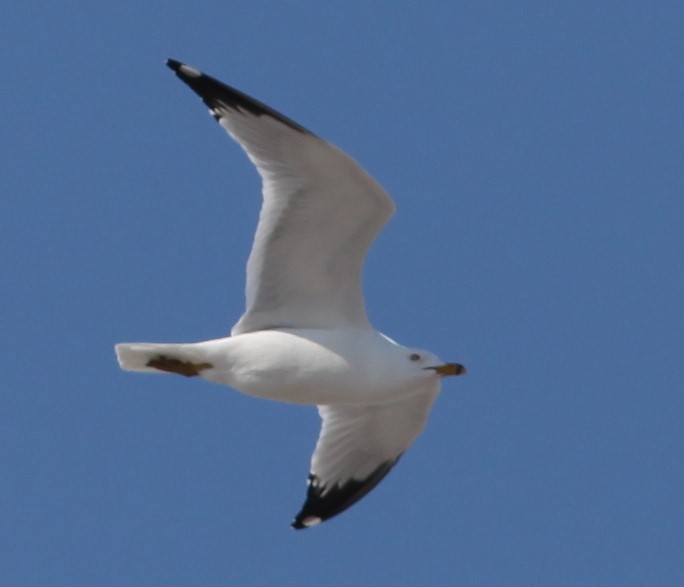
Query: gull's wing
(320, 213)
(357, 447)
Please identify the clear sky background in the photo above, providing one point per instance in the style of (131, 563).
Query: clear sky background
(535, 153)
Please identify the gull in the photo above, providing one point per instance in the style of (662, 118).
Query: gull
(305, 337)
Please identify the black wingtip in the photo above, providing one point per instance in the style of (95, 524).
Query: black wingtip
(217, 95)
(298, 525)
(188, 74)
(173, 64)
(322, 504)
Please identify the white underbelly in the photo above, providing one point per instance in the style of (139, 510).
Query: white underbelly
(302, 367)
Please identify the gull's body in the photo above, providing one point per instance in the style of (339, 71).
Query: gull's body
(305, 337)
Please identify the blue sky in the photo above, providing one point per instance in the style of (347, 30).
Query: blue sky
(534, 151)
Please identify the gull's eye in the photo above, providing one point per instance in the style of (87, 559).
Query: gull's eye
(414, 357)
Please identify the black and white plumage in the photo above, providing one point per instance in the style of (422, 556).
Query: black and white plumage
(305, 336)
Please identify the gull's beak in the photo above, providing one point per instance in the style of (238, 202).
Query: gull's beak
(449, 369)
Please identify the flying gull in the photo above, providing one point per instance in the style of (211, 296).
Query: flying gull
(305, 337)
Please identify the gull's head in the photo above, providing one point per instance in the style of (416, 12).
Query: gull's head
(419, 363)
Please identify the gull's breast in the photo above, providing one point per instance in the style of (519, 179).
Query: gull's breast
(308, 366)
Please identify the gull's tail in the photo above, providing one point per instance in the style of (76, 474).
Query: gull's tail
(136, 356)
(183, 359)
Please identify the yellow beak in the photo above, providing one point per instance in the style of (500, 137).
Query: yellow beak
(449, 369)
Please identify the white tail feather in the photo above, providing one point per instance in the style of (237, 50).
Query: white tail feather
(135, 356)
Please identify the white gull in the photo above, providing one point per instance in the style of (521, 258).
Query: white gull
(305, 337)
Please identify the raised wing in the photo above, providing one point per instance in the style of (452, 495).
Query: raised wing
(320, 213)
(357, 447)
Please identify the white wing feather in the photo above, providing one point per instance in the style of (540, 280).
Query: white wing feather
(355, 440)
(320, 213)
(357, 447)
